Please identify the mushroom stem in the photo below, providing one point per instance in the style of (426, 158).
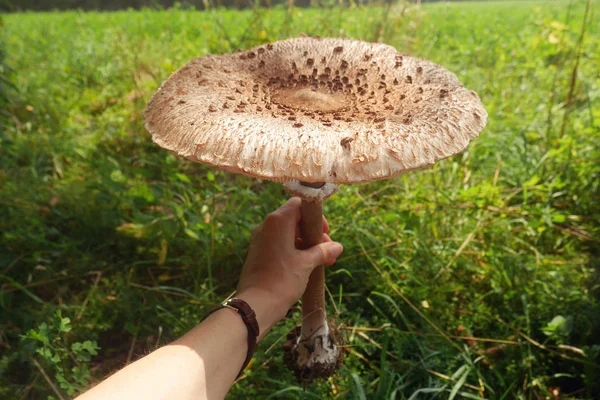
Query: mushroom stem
(313, 300)
(311, 351)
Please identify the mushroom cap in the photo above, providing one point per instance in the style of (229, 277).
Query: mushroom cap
(315, 110)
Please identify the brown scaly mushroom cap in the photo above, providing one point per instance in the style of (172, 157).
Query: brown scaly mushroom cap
(315, 110)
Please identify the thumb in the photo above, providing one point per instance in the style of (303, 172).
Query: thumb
(322, 253)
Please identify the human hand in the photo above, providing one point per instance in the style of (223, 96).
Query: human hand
(276, 273)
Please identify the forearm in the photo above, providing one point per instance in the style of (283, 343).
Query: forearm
(203, 364)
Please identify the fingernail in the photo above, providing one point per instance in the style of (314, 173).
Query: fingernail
(336, 249)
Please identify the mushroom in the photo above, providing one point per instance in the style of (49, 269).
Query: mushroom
(313, 113)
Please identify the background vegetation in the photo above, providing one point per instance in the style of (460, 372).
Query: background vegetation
(45, 5)
(477, 278)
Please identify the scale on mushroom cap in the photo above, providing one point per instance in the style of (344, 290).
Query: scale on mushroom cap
(313, 113)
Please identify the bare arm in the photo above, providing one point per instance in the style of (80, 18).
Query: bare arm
(203, 363)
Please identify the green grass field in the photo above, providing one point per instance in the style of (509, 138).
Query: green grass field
(111, 246)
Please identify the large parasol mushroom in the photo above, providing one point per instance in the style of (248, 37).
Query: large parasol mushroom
(313, 113)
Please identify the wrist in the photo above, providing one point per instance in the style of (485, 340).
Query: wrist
(268, 310)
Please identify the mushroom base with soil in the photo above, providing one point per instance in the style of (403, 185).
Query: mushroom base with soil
(315, 357)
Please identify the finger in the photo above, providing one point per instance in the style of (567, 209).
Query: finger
(255, 231)
(285, 219)
(325, 225)
(282, 222)
(290, 209)
(299, 240)
(322, 253)
(327, 239)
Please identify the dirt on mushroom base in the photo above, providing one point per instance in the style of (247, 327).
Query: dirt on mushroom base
(317, 370)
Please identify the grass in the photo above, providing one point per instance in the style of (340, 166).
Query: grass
(476, 278)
